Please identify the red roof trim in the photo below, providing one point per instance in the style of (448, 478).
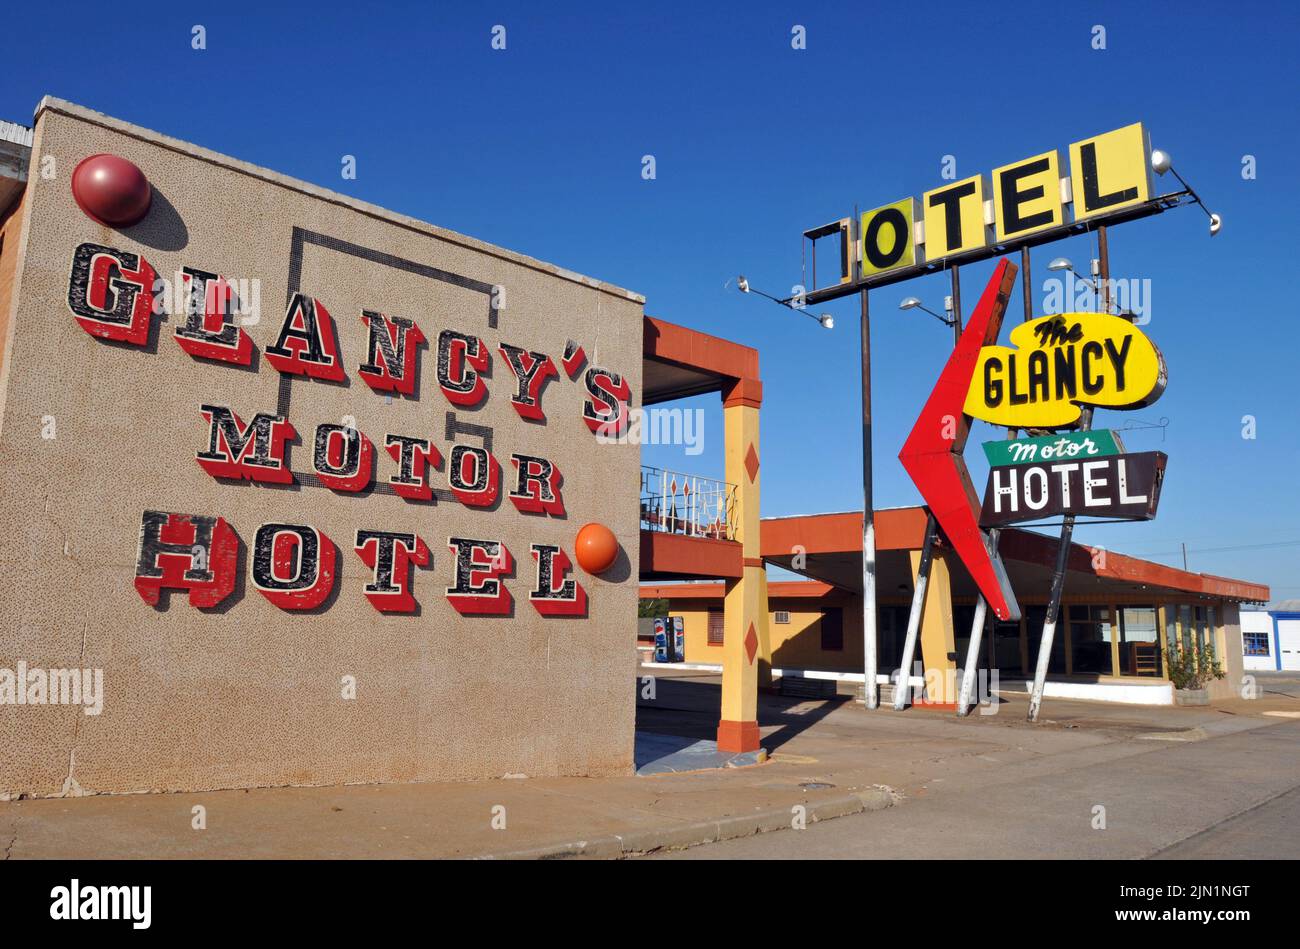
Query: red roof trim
(904, 529)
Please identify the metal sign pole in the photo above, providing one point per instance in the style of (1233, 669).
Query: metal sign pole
(973, 648)
(956, 305)
(1067, 527)
(914, 617)
(931, 529)
(870, 692)
(1026, 290)
(982, 605)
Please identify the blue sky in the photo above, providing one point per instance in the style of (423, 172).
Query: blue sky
(538, 148)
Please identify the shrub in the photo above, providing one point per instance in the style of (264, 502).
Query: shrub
(1193, 668)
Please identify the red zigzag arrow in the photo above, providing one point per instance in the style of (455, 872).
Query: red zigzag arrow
(932, 453)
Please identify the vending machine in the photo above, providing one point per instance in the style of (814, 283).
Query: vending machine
(663, 640)
(679, 638)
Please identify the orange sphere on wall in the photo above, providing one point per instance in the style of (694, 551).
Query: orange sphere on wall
(597, 548)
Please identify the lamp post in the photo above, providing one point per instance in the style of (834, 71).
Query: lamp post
(912, 303)
(825, 319)
(1162, 162)
(1099, 290)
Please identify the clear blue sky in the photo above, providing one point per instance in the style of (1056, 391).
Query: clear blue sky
(538, 148)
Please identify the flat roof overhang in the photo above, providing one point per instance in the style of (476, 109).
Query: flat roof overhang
(776, 590)
(832, 549)
(678, 362)
(679, 557)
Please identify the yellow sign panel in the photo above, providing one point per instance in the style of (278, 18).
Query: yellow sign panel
(1027, 196)
(954, 218)
(889, 237)
(1110, 171)
(1058, 363)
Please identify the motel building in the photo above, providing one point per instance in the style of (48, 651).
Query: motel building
(328, 495)
(1118, 613)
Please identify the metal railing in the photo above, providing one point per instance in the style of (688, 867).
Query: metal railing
(676, 503)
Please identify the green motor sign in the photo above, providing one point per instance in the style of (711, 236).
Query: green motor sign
(1062, 447)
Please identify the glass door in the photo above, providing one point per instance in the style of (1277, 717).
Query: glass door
(1139, 642)
(1090, 639)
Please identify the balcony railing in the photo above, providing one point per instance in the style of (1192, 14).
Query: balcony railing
(676, 503)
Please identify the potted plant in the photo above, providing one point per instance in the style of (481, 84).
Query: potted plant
(1190, 670)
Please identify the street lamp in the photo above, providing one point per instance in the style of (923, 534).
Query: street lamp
(1064, 263)
(825, 319)
(912, 303)
(1161, 162)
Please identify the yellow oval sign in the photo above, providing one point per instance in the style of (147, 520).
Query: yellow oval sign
(1055, 364)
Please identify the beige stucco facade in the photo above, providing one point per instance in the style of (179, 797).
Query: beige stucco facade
(247, 693)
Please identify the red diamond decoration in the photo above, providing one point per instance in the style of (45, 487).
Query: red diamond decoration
(751, 464)
(751, 642)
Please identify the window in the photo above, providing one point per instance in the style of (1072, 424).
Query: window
(715, 627)
(1255, 644)
(963, 618)
(781, 616)
(1139, 641)
(832, 625)
(1090, 638)
(1006, 647)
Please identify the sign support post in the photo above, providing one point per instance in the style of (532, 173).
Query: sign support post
(931, 530)
(976, 638)
(1067, 528)
(904, 683)
(981, 604)
(870, 692)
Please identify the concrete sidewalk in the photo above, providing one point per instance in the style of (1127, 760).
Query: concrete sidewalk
(828, 757)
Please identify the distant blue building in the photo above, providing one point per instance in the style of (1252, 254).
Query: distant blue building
(1270, 638)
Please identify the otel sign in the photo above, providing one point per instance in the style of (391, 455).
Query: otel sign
(1003, 209)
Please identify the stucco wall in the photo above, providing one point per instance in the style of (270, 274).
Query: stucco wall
(1227, 642)
(795, 645)
(246, 693)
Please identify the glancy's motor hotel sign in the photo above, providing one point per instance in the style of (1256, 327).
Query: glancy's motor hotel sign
(382, 479)
(111, 294)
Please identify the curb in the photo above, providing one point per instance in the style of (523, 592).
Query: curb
(681, 836)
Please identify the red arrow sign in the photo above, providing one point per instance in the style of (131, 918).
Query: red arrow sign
(932, 454)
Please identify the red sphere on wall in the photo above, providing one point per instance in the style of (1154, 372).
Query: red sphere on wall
(597, 548)
(111, 190)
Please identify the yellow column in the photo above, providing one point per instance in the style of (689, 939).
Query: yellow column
(745, 607)
(937, 638)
